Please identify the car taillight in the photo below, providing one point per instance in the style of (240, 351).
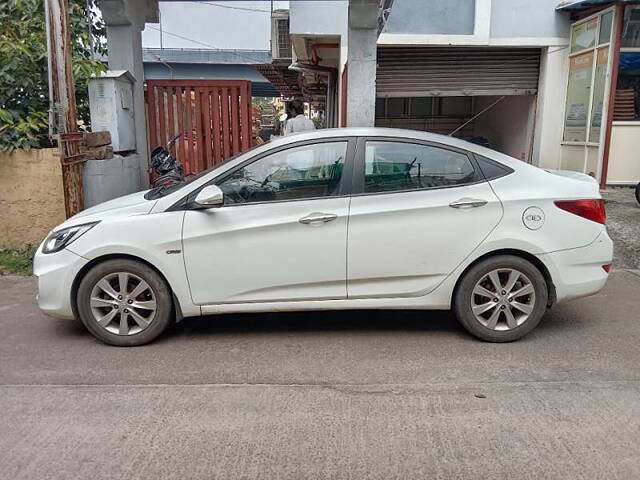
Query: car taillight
(591, 209)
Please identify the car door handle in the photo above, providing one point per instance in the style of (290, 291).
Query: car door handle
(468, 203)
(318, 217)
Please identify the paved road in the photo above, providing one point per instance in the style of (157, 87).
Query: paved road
(328, 395)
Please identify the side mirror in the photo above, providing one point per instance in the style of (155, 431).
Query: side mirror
(209, 197)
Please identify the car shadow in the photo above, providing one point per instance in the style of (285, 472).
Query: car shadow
(438, 323)
(311, 322)
(67, 328)
(564, 318)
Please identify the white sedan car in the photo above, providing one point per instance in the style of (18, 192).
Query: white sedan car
(335, 219)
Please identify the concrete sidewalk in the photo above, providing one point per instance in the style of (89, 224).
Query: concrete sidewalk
(324, 395)
(623, 224)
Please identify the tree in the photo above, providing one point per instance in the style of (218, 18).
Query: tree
(24, 92)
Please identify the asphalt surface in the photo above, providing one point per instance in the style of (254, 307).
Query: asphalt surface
(324, 395)
(350, 395)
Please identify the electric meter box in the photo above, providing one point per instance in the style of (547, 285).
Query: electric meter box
(111, 108)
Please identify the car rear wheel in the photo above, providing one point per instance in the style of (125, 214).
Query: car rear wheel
(501, 299)
(124, 303)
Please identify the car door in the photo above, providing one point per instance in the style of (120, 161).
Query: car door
(417, 211)
(281, 232)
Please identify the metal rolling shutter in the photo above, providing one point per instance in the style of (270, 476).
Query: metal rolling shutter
(452, 71)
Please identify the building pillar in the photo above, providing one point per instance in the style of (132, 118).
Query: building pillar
(125, 53)
(361, 58)
(125, 20)
(549, 123)
(614, 54)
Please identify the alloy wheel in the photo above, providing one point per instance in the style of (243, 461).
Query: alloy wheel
(503, 299)
(123, 303)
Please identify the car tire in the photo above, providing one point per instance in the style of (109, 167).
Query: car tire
(501, 314)
(638, 192)
(127, 317)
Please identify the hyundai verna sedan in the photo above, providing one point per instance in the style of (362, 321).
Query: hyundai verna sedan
(335, 219)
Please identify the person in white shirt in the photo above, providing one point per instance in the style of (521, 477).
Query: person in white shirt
(297, 122)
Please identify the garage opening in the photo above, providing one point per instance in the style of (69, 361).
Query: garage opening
(486, 95)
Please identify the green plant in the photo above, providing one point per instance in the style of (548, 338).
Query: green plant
(24, 92)
(16, 261)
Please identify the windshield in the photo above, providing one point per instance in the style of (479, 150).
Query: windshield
(160, 192)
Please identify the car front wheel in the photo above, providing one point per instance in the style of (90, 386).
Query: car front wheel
(124, 302)
(501, 299)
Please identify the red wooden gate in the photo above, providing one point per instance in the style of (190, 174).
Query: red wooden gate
(212, 116)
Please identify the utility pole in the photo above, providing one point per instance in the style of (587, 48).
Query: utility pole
(63, 102)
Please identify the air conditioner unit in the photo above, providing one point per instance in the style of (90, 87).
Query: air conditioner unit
(280, 40)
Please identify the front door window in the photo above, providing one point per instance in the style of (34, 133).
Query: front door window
(305, 172)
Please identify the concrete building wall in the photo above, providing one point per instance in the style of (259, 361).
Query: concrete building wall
(31, 197)
(591, 161)
(362, 56)
(572, 157)
(475, 22)
(108, 179)
(552, 89)
(624, 161)
(452, 17)
(318, 17)
(361, 95)
(508, 124)
(125, 53)
(528, 19)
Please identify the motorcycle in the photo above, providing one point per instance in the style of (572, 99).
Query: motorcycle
(168, 168)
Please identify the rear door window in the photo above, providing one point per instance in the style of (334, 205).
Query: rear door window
(399, 166)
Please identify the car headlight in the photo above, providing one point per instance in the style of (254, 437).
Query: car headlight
(59, 239)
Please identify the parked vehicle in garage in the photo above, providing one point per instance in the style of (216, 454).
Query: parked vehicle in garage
(335, 219)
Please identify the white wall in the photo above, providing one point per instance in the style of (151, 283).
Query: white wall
(572, 157)
(318, 17)
(453, 17)
(624, 159)
(496, 22)
(528, 19)
(554, 69)
(508, 124)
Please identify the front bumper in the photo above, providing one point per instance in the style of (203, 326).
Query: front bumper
(56, 273)
(578, 272)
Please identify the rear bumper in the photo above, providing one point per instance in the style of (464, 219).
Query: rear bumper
(578, 272)
(56, 273)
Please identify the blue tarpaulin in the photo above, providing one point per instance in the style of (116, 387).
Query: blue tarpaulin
(629, 61)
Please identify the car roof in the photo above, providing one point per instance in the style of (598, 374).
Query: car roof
(401, 134)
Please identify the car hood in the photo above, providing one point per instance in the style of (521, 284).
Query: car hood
(133, 204)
